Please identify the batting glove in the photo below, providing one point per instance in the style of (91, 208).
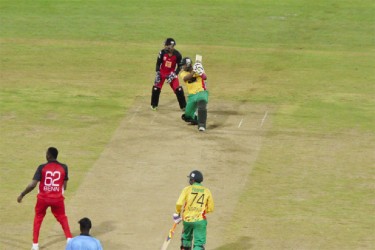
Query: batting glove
(170, 77)
(157, 77)
(176, 218)
(198, 69)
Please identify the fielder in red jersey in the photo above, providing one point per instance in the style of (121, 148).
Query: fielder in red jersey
(167, 69)
(52, 177)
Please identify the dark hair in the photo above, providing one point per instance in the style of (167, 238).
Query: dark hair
(53, 152)
(85, 223)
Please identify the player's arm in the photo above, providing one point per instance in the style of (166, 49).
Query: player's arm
(27, 190)
(37, 177)
(210, 203)
(65, 184)
(159, 60)
(193, 75)
(199, 71)
(181, 201)
(178, 61)
(179, 204)
(189, 76)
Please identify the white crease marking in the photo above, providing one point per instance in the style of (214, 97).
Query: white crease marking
(239, 125)
(264, 118)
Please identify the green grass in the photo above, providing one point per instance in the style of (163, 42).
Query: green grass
(311, 189)
(71, 69)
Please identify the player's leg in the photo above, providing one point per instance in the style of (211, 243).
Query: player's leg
(156, 89)
(202, 100)
(200, 234)
(58, 210)
(187, 235)
(155, 94)
(191, 107)
(202, 115)
(179, 91)
(181, 98)
(40, 212)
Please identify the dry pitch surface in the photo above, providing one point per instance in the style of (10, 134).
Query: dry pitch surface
(130, 192)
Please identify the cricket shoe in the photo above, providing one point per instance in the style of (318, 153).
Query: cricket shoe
(154, 108)
(35, 247)
(201, 129)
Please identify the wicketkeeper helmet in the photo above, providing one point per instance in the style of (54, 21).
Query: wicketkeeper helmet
(169, 41)
(196, 176)
(186, 61)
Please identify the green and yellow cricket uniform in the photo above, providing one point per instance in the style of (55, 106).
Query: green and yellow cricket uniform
(197, 91)
(195, 201)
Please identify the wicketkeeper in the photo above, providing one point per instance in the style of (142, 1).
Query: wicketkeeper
(167, 69)
(195, 78)
(197, 201)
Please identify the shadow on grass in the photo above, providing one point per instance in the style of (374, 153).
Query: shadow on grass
(243, 243)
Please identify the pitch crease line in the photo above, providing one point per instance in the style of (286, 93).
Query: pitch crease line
(239, 125)
(264, 118)
(135, 113)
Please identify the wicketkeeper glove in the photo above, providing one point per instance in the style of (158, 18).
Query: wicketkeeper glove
(198, 69)
(157, 77)
(176, 218)
(170, 77)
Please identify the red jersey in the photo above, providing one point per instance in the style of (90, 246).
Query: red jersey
(51, 177)
(167, 64)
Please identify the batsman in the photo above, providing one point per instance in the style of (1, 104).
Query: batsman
(195, 201)
(195, 78)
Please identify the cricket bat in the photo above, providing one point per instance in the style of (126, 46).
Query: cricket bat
(198, 58)
(169, 237)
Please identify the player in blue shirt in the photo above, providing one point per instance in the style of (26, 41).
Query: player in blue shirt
(84, 241)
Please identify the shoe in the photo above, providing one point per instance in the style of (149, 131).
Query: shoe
(154, 107)
(201, 129)
(35, 247)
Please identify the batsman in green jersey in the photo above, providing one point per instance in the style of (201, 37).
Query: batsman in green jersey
(195, 202)
(195, 80)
